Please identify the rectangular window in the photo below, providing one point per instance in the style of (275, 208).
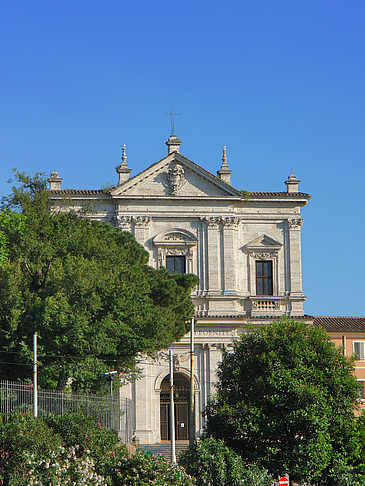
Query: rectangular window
(361, 384)
(264, 281)
(359, 349)
(175, 264)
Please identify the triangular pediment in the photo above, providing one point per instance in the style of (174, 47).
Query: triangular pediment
(176, 176)
(263, 242)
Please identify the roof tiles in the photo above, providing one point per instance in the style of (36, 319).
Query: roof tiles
(340, 324)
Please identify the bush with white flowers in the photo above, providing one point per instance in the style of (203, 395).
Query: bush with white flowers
(62, 468)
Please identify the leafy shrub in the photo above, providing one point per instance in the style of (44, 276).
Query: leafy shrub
(341, 474)
(72, 450)
(212, 463)
(145, 468)
(77, 429)
(62, 468)
(20, 434)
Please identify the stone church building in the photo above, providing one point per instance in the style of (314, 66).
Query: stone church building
(245, 249)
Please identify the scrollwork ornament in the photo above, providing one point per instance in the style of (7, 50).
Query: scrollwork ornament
(211, 221)
(262, 255)
(123, 221)
(295, 223)
(141, 220)
(230, 221)
(175, 251)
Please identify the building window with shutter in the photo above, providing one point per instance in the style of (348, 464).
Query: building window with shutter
(359, 348)
(264, 280)
(175, 264)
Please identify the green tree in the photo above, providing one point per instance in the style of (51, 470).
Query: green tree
(85, 287)
(11, 223)
(285, 400)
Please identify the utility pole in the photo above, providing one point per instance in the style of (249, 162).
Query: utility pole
(191, 404)
(172, 408)
(35, 377)
(111, 375)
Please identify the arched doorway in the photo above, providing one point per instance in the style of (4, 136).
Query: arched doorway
(181, 402)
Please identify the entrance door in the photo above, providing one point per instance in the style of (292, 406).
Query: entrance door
(181, 407)
(181, 417)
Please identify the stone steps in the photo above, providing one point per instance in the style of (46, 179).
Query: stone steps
(164, 448)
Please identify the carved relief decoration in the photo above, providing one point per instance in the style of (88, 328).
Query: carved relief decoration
(230, 221)
(175, 237)
(214, 221)
(176, 178)
(175, 242)
(123, 221)
(211, 221)
(141, 220)
(263, 255)
(163, 252)
(295, 223)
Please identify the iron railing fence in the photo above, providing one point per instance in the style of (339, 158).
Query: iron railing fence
(112, 412)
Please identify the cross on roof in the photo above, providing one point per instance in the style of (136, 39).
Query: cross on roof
(172, 115)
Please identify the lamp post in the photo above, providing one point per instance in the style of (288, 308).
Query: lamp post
(172, 408)
(111, 375)
(35, 376)
(192, 403)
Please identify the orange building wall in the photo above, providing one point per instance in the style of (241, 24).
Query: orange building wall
(347, 340)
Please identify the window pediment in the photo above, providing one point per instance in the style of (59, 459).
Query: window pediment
(175, 238)
(263, 247)
(175, 242)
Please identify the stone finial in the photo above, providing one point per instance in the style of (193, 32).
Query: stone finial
(173, 144)
(224, 173)
(292, 183)
(54, 181)
(123, 170)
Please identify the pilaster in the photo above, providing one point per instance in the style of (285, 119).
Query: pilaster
(295, 265)
(295, 226)
(215, 357)
(229, 263)
(141, 224)
(123, 222)
(213, 223)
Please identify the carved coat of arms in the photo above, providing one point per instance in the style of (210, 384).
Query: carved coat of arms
(175, 177)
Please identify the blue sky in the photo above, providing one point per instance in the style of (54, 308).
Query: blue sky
(281, 83)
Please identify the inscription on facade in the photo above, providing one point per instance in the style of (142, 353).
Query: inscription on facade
(216, 332)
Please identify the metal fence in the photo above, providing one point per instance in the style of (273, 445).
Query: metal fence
(112, 412)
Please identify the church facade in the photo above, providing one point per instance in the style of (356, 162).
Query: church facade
(244, 247)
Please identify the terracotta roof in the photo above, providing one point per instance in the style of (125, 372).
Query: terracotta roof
(285, 195)
(79, 191)
(289, 195)
(340, 324)
(248, 318)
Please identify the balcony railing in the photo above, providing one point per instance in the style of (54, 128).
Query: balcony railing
(265, 306)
